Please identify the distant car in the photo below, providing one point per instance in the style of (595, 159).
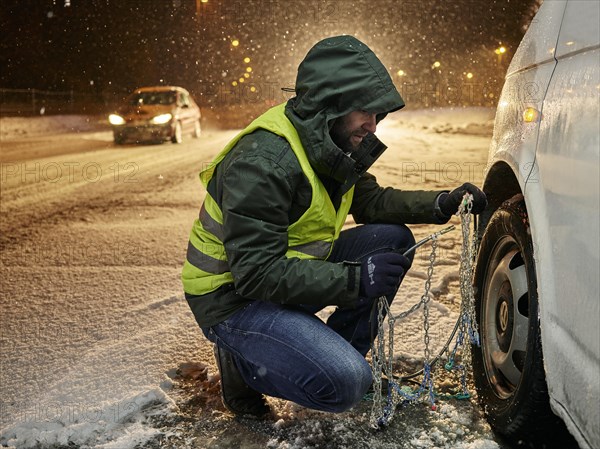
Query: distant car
(156, 114)
(537, 272)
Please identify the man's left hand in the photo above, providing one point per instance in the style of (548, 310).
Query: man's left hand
(450, 202)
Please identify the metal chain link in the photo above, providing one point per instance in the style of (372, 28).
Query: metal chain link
(467, 267)
(382, 363)
(426, 297)
(378, 362)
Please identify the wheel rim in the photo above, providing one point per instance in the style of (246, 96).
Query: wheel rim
(505, 317)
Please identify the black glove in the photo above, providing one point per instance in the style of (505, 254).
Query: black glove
(380, 274)
(449, 202)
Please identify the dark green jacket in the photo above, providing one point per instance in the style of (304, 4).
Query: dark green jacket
(261, 189)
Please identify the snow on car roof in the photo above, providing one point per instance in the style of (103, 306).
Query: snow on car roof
(159, 89)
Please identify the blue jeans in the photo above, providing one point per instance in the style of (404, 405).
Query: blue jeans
(288, 352)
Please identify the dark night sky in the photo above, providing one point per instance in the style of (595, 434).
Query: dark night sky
(99, 46)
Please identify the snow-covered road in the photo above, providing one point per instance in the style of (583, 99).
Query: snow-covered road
(98, 346)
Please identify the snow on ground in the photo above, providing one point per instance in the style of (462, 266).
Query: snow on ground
(144, 377)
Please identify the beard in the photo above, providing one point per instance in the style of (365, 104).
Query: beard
(347, 139)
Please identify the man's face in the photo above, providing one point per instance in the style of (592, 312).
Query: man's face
(349, 130)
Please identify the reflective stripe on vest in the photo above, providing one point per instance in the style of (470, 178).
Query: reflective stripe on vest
(311, 237)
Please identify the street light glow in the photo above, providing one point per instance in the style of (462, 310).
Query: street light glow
(436, 64)
(401, 72)
(235, 42)
(500, 50)
(469, 75)
(246, 59)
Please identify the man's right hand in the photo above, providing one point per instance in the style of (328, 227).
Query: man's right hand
(450, 202)
(380, 274)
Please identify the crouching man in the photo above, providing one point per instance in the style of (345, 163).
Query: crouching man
(268, 251)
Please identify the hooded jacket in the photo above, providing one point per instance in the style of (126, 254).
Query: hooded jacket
(261, 188)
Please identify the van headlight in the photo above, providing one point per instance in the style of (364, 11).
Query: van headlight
(115, 119)
(161, 119)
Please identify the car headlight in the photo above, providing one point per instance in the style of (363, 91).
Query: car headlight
(115, 119)
(161, 119)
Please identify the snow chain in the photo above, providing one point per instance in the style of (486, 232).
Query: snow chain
(382, 354)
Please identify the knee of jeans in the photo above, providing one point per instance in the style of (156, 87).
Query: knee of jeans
(349, 386)
(404, 239)
(405, 236)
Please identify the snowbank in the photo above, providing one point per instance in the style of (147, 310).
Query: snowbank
(109, 426)
(18, 127)
(474, 120)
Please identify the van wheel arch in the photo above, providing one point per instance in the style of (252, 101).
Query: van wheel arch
(500, 185)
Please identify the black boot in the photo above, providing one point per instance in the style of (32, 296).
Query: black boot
(384, 387)
(237, 396)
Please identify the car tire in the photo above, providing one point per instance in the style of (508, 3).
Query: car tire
(508, 367)
(197, 129)
(119, 140)
(177, 133)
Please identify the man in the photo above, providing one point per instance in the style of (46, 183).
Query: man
(267, 251)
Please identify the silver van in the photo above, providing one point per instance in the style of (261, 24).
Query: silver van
(537, 274)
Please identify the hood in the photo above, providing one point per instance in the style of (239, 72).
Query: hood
(340, 75)
(132, 112)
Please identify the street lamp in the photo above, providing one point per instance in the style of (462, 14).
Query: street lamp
(500, 51)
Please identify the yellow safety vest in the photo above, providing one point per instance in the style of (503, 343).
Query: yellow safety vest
(311, 237)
